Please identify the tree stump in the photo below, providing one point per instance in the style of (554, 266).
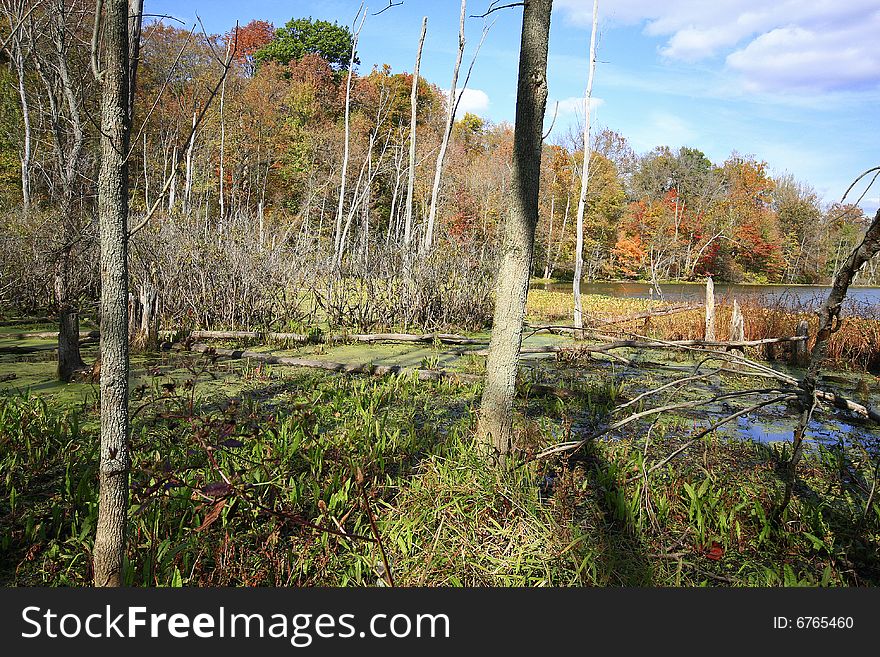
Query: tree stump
(710, 310)
(800, 353)
(147, 336)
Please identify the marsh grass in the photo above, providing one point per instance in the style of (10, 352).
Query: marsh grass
(245, 488)
(855, 345)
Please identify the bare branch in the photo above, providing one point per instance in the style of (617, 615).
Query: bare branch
(553, 122)
(493, 9)
(856, 181)
(711, 428)
(161, 91)
(572, 446)
(390, 5)
(96, 36)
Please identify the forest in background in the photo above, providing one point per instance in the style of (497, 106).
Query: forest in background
(261, 173)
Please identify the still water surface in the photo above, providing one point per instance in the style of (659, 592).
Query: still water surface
(861, 299)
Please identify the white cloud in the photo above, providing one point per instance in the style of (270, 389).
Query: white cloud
(786, 45)
(573, 105)
(795, 58)
(475, 101)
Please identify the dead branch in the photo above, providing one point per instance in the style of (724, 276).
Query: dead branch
(493, 9)
(678, 382)
(829, 322)
(646, 344)
(572, 446)
(711, 428)
(390, 5)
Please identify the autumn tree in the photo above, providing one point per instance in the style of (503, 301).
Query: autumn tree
(248, 40)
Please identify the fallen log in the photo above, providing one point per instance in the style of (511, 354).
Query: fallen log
(641, 344)
(47, 335)
(427, 338)
(346, 368)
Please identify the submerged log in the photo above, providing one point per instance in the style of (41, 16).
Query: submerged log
(426, 338)
(345, 368)
(48, 335)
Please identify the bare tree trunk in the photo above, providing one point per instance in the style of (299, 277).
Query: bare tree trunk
(495, 427)
(223, 143)
(561, 234)
(547, 255)
(413, 100)
(147, 337)
(172, 191)
(337, 245)
(737, 324)
(800, 354)
(14, 13)
(450, 119)
(585, 177)
(109, 550)
(187, 188)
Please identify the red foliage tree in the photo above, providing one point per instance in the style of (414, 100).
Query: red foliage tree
(248, 40)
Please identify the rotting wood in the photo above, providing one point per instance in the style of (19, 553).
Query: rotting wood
(800, 354)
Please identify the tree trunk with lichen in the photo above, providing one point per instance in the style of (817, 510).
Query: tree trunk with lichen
(115, 458)
(495, 427)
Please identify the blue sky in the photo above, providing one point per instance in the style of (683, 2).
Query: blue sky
(794, 82)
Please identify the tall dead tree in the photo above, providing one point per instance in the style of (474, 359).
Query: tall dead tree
(585, 177)
(63, 96)
(117, 78)
(410, 184)
(337, 240)
(447, 133)
(495, 427)
(17, 49)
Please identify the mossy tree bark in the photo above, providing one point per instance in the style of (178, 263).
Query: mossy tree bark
(495, 427)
